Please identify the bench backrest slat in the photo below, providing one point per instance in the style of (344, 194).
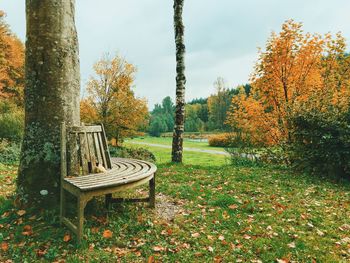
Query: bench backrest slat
(83, 148)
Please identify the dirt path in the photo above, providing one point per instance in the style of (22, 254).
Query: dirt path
(190, 149)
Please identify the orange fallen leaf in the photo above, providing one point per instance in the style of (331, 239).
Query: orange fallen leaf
(67, 237)
(150, 259)
(4, 246)
(107, 234)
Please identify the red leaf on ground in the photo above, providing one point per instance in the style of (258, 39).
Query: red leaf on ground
(4, 246)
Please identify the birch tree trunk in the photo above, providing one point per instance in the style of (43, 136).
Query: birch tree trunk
(177, 146)
(52, 95)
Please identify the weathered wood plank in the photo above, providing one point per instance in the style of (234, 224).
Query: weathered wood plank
(84, 153)
(102, 151)
(83, 129)
(97, 149)
(105, 147)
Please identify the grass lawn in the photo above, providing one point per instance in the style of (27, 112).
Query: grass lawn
(163, 155)
(167, 141)
(205, 213)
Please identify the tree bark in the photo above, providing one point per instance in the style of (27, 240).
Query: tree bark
(177, 146)
(52, 95)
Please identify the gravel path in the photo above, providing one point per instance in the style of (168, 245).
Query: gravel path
(190, 149)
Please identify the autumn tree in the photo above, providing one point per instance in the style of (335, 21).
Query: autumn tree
(177, 145)
(11, 64)
(296, 71)
(52, 96)
(111, 99)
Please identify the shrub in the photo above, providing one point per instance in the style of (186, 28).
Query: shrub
(220, 140)
(321, 142)
(9, 152)
(134, 153)
(11, 121)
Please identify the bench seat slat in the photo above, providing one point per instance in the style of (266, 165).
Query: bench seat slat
(110, 175)
(124, 171)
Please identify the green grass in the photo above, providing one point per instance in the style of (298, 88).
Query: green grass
(167, 141)
(163, 156)
(224, 213)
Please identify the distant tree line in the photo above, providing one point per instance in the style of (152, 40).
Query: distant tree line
(201, 115)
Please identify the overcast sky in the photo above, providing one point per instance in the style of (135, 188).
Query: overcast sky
(222, 36)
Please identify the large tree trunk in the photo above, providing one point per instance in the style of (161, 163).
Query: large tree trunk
(180, 83)
(52, 95)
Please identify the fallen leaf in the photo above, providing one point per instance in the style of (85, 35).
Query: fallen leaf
(27, 230)
(158, 248)
(319, 232)
(221, 238)
(233, 206)
(40, 252)
(4, 246)
(282, 261)
(195, 235)
(21, 212)
(247, 236)
(95, 230)
(291, 245)
(107, 234)
(210, 249)
(150, 259)
(67, 237)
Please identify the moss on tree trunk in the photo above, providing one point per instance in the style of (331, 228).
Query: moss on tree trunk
(52, 95)
(177, 147)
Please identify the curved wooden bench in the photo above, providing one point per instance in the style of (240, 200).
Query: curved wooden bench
(83, 150)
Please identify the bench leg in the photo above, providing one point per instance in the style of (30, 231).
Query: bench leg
(108, 199)
(152, 192)
(80, 227)
(62, 205)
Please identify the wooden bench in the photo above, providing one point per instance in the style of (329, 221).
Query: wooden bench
(83, 150)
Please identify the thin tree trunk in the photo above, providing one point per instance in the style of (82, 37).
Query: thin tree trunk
(177, 147)
(52, 95)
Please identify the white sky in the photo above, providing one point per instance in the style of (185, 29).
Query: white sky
(221, 36)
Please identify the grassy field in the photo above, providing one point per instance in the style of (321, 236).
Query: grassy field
(167, 141)
(163, 155)
(205, 213)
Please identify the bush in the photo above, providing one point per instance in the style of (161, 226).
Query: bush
(133, 153)
(9, 152)
(220, 140)
(321, 142)
(11, 121)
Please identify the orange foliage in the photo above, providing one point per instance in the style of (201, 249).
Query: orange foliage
(296, 71)
(112, 100)
(11, 63)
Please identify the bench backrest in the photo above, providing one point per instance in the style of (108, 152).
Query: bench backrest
(83, 148)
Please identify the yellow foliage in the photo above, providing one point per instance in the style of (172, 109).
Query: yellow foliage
(111, 99)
